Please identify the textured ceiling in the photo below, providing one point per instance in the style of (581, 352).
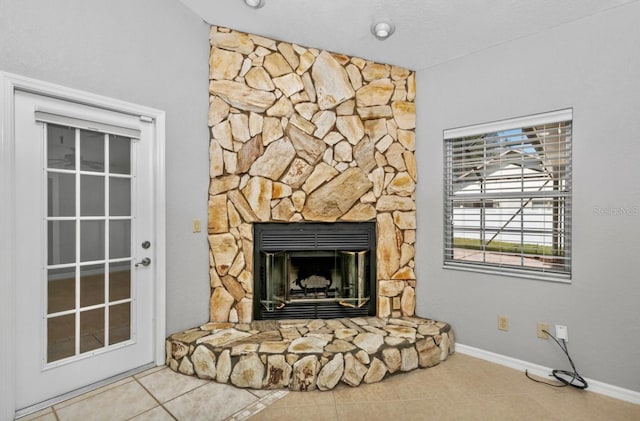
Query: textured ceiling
(428, 32)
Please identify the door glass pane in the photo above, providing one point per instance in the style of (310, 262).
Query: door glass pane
(61, 242)
(91, 240)
(61, 197)
(91, 285)
(61, 337)
(91, 151)
(61, 289)
(61, 147)
(119, 154)
(119, 281)
(119, 196)
(119, 239)
(91, 329)
(91, 195)
(119, 323)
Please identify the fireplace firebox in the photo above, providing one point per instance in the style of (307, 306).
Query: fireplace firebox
(314, 270)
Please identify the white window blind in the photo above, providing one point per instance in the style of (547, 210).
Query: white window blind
(508, 196)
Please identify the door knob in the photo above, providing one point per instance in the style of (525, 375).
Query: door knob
(144, 262)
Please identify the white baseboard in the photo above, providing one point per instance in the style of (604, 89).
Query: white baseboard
(595, 386)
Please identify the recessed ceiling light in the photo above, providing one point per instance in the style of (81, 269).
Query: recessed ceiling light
(382, 29)
(255, 4)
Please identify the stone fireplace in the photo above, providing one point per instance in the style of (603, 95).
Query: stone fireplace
(314, 270)
(302, 136)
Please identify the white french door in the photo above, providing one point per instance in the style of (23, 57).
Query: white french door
(85, 252)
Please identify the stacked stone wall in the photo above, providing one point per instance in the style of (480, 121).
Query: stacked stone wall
(303, 135)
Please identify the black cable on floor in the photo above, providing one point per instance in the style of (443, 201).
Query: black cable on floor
(567, 378)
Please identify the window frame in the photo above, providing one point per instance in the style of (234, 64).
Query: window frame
(564, 193)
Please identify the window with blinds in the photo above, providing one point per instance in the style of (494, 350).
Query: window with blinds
(508, 196)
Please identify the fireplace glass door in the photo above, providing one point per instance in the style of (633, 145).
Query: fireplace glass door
(292, 277)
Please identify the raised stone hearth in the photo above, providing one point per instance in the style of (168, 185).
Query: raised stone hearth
(304, 355)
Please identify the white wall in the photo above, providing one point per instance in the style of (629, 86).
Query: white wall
(592, 65)
(151, 52)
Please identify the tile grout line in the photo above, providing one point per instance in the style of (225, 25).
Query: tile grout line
(257, 406)
(155, 399)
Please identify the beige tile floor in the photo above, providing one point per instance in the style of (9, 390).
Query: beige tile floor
(461, 388)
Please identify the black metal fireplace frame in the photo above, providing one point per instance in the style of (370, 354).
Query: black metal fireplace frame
(310, 236)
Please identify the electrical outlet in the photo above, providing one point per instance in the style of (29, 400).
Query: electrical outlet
(562, 333)
(543, 327)
(503, 323)
(196, 225)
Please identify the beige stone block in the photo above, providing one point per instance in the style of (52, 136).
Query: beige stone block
(376, 372)
(407, 138)
(249, 152)
(384, 143)
(428, 353)
(375, 93)
(245, 279)
(334, 199)
(306, 60)
(354, 76)
(281, 190)
(396, 303)
(377, 178)
(409, 358)
(245, 307)
(395, 157)
(297, 173)
(320, 175)
(204, 363)
(402, 185)
(384, 307)
(410, 236)
(306, 109)
(224, 249)
(309, 89)
(331, 373)
(388, 253)
(332, 138)
(392, 359)
(351, 127)
(289, 84)
(263, 42)
(224, 64)
(304, 374)
(232, 41)
(258, 194)
(410, 162)
(404, 113)
(271, 130)
(233, 287)
(216, 159)
(222, 133)
(354, 371)
(218, 222)
(247, 250)
(234, 217)
(404, 273)
(276, 65)
(242, 96)
(214, 278)
(284, 210)
(388, 203)
(255, 124)
(248, 372)
(408, 302)
(342, 152)
(411, 87)
(405, 220)
(375, 112)
(399, 73)
(302, 123)
(325, 122)
(282, 108)
(220, 304)
(298, 198)
(389, 288)
(364, 154)
(375, 129)
(346, 108)
(274, 161)
(237, 266)
(230, 162)
(374, 71)
(407, 253)
(218, 110)
(358, 62)
(258, 78)
(289, 54)
(307, 147)
(331, 82)
(278, 373)
(359, 213)
(240, 127)
(242, 206)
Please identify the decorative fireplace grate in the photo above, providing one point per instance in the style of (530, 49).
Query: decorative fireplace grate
(314, 270)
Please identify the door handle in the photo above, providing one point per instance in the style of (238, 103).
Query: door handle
(144, 262)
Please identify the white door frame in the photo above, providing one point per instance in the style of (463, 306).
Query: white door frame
(9, 83)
